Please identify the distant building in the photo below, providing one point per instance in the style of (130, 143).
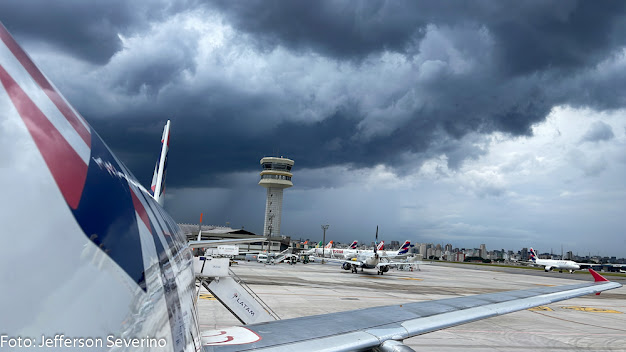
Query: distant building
(524, 254)
(209, 232)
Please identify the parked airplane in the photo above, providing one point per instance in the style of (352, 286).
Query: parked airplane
(402, 252)
(117, 270)
(319, 250)
(351, 252)
(550, 264)
(367, 260)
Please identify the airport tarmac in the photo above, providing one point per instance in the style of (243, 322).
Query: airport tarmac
(589, 323)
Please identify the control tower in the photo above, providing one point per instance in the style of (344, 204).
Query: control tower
(276, 176)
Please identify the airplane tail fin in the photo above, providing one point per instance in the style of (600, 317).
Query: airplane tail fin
(405, 247)
(329, 245)
(158, 179)
(376, 244)
(380, 246)
(533, 255)
(354, 244)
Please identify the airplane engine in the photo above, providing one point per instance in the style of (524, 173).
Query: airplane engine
(384, 269)
(548, 268)
(346, 266)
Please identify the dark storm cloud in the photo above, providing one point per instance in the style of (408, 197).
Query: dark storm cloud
(86, 29)
(531, 35)
(327, 83)
(339, 29)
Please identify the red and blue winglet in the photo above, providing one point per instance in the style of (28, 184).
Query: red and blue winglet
(597, 277)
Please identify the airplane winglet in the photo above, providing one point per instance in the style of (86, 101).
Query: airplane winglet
(597, 277)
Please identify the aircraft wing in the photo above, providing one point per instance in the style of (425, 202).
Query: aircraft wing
(379, 326)
(353, 262)
(412, 263)
(213, 243)
(394, 255)
(388, 264)
(419, 262)
(341, 261)
(402, 263)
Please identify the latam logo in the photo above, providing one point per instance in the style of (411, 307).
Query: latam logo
(236, 335)
(243, 304)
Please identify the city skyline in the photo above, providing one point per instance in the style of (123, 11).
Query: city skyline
(393, 243)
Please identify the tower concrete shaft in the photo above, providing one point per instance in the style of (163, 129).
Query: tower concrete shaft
(276, 176)
(273, 211)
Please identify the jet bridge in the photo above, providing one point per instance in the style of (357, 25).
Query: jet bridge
(229, 289)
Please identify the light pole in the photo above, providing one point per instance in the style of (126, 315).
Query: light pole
(324, 227)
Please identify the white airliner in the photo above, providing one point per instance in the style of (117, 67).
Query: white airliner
(340, 252)
(321, 251)
(352, 252)
(402, 252)
(373, 259)
(551, 264)
(90, 260)
(349, 254)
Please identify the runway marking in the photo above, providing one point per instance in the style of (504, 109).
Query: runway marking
(545, 285)
(541, 308)
(411, 278)
(591, 309)
(208, 296)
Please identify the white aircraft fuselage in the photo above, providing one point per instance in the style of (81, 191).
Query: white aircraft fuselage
(551, 264)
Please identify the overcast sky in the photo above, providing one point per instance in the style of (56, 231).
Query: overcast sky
(496, 122)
